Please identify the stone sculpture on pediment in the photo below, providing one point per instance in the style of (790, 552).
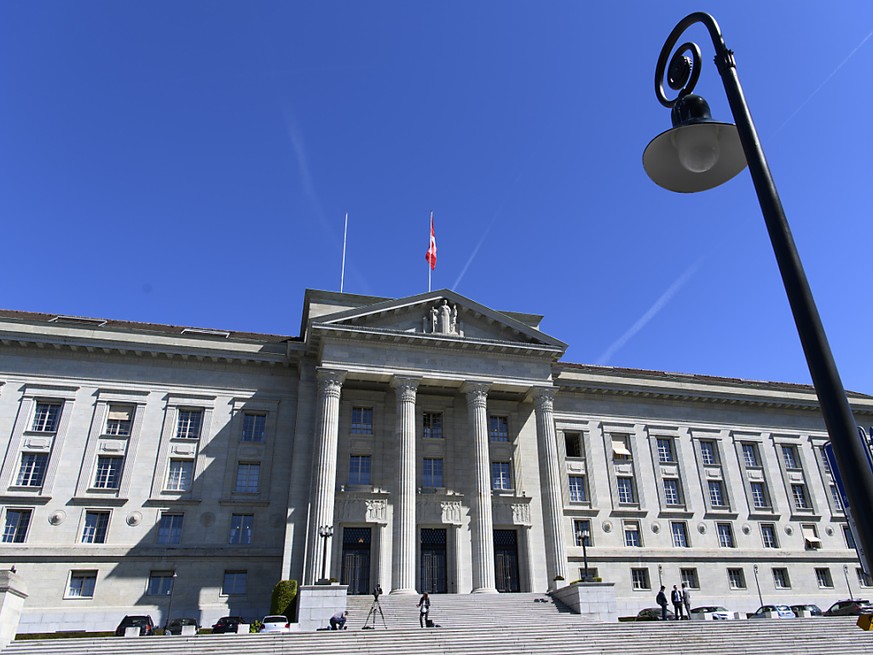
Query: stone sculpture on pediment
(442, 318)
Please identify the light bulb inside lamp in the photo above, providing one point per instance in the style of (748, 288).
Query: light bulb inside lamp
(697, 147)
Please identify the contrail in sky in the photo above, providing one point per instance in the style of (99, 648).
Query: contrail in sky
(653, 311)
(827, 79)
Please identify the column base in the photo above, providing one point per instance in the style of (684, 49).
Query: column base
(485, 590)
(403, 592)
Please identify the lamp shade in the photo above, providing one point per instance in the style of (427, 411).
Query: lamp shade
(698, 153)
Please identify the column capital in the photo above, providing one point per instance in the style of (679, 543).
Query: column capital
(330, 380)
(544, 397)
(477, 392)
(405, 388)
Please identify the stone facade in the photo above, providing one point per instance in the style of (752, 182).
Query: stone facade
(154, 469)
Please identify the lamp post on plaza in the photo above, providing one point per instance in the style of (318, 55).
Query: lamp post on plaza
(170, 602)
(699, 154)
(758, 585)
(846, 573)
(325, 532)
(584, 535)
(660, 575)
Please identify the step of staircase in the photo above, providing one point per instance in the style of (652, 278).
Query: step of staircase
(817, 636)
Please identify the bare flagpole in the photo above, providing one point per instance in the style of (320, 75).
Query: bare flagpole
(343, 272)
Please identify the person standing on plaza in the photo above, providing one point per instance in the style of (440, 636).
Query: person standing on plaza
(676, 599)
(661, 599)
(424, 609)
(686, 600)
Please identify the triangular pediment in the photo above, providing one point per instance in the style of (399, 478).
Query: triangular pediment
(442, 314)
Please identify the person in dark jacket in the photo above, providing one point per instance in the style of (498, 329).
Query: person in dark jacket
(676, 599)
(661, 599)
(424, 609)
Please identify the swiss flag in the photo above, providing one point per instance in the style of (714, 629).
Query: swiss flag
(430, 255)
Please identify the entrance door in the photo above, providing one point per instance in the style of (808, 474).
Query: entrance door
(506, 561)
(356, 560)
(434, 572)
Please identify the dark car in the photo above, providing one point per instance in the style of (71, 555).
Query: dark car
(814, 610)
(144, 623)
(227, 624)
(174, 627)
(653, 614)
(850, 607)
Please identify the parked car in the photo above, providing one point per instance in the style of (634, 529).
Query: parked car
(814, 610)
(851, 607)
(653, 614)
(143, 622)
(174, 627)
(276, 623)
(227, 624)
(717, 612)
(777, 612)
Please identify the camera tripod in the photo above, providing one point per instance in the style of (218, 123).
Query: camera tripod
(375, 609)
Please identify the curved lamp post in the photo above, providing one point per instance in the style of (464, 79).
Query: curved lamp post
(699, 154)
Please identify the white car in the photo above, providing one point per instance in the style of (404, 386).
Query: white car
(276, 623)
(716, 612)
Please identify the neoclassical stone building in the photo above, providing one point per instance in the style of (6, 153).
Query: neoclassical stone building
(158, 469)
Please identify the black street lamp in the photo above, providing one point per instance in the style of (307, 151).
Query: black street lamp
(325, 532)
(584, 535)
(758, 585)
(699, 154)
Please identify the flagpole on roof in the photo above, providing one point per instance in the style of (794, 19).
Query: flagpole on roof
(343, 271)
(431, 255)
(429, 267)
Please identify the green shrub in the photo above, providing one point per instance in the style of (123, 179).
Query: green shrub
(284, 600)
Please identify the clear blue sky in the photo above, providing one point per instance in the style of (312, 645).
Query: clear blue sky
(191, 163)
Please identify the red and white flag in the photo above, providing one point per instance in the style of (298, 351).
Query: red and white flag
(430, 255)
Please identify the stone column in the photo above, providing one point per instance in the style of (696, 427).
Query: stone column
(403, 578)
(482, 519)
(550, 487)
(13, 593)
(324, 472)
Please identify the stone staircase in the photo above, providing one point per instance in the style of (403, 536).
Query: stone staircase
(496, 625)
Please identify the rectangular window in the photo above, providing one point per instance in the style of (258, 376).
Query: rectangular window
(500, 476)
(248, 478)
(119, 421)
(825, 463)
(725, 535)
(362, 420)
(632, 534)
(708, 453)
(160, 583)
(750, 455)
(849, 537)
(798, 494)
(179, 474)
(671, 492)
(640, 579)
(359, 470)
(810, 536)
(498, 428)
(625, 488)
(31, 473)
(789, 457)
(433, 425)
(234, 583)
(665, 451)
(863, 578)
(736, 579)
(96, 525)
(107, 475)
(46, 417)
(170, 529)
(81, 584)
(254, 427)
(573, 444)
(823, 578)
(432, 472)
(838, 500)
(689, 577)
(577, 488)
(241, 529)
(581, 530)
(188, 423)
(680, 534)
(15, 527)
(768, 535)
(759, 495)
(781, 579)
(716, 494)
